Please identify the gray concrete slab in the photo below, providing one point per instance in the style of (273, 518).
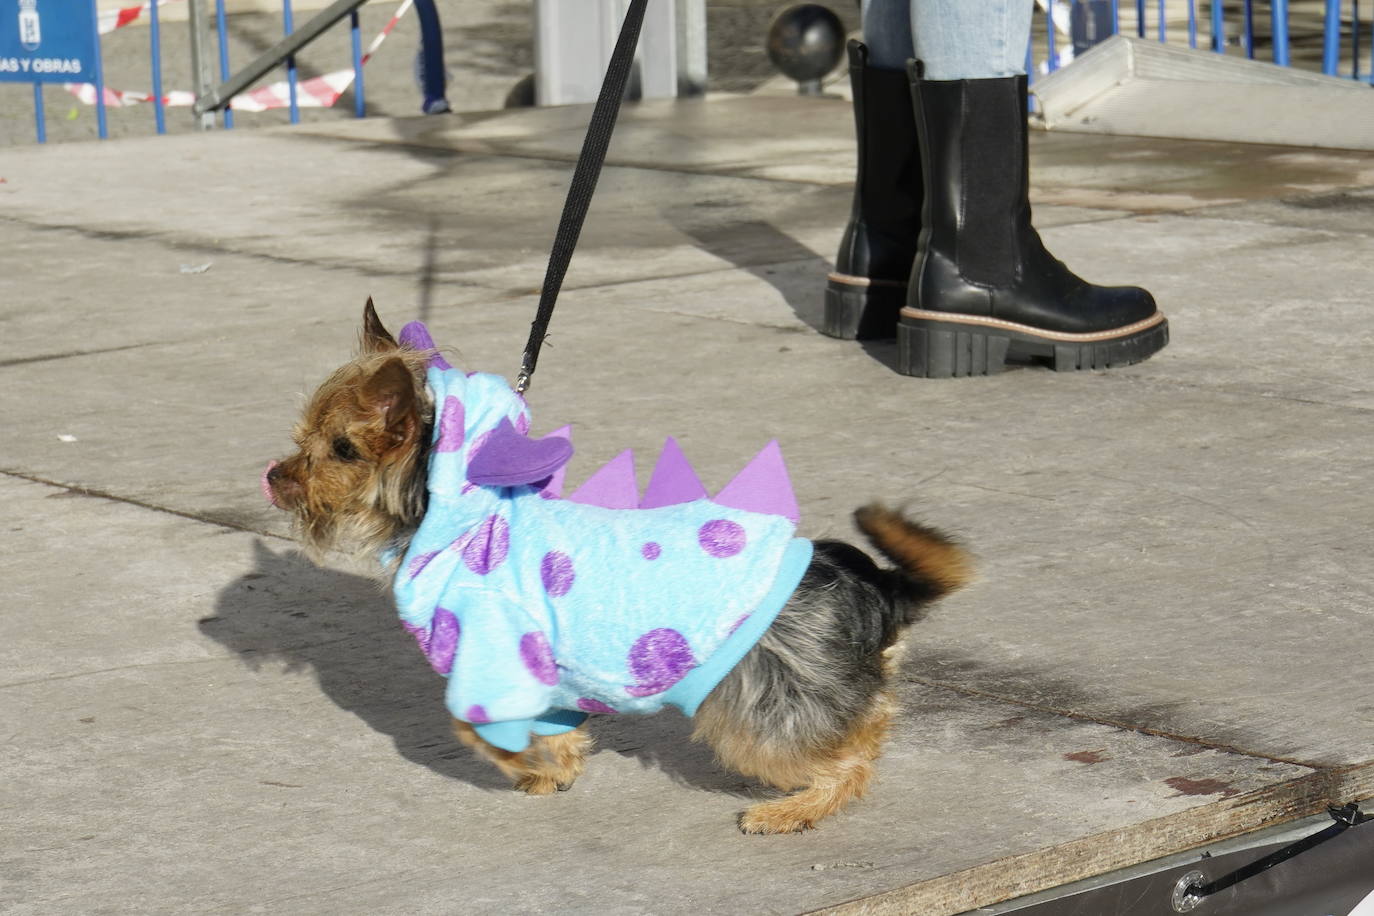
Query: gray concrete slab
(1174, 559)
(225, 727)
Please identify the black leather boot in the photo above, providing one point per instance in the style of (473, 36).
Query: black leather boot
(983, 286)
(868, 286)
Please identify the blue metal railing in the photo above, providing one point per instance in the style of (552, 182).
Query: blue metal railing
(1279, 29)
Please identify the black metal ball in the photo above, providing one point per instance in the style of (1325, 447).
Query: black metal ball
(805, 42)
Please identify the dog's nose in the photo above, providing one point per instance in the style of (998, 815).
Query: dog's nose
(270, 477)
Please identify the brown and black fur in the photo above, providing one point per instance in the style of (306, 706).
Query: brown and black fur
(808, 708)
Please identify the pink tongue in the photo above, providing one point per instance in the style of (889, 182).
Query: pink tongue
(267, 487)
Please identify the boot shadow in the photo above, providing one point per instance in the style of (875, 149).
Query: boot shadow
(290, 615)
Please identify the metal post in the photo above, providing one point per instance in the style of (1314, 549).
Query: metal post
(1280, 13)
(1331, 38)
(155, 40)
(1355, 40)
(359, 107)
(288, 27)
(1218, 28)
(1116, 17)
(201, 80)
(102, 127)
(1162, 37)
(1140, 18)
(1249, 11)
(40, 123)
(222, 27)
(1192, 24)
(1053, 63)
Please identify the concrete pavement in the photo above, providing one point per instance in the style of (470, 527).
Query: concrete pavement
(1163, 646)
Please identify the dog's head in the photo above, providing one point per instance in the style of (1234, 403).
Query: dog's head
(357, 479)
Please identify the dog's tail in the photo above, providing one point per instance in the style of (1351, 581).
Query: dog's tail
(929, 563)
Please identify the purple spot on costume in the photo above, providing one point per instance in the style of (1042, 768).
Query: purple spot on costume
(418, 563)
(587, 704)
(722, 538)
(488, 547)
(658, 660)
(450, 426)
(556, 572)
(443, 641)
(537, 655)
(651, 550)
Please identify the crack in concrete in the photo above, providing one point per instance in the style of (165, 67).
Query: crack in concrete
(71, 354)
(1128, 726)
(94, 493)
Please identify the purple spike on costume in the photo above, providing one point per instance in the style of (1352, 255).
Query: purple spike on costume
(555, 485)
(762, 486)
(613, 486)
(673, 481)
(509, 459)
(416, 336)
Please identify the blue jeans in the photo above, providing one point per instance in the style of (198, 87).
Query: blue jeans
(955, 39)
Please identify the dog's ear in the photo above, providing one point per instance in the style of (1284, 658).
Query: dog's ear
(390, 399)
(375, 337)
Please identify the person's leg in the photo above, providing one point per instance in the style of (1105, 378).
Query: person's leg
(970, 39)
(867, 289)
(983, 287)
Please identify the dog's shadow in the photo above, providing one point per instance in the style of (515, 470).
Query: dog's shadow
(288, 615)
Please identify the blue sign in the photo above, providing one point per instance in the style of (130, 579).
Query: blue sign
(49, 41)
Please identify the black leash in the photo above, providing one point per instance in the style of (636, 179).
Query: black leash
(583, 184)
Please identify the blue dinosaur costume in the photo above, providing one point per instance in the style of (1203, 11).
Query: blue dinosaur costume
(540, 610)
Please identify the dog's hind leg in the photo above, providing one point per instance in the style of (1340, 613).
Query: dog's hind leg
(550, 764)
(834, 777)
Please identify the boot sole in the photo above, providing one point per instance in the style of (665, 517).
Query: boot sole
(861, 308)
(949, 345)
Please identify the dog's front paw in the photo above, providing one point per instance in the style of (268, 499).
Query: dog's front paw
(541, 784)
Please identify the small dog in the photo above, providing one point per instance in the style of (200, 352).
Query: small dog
(807, 707)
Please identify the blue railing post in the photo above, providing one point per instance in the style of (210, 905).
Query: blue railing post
(358, 106)
(1280, 31)
(1116, 17)
(1192, 24)
(1218, 28)
(102, 127)
(40, 123)
(1355, 40)
(1053, 63)
(1162, 36)
(1140, 18)
(155, 40)
(289, 27)
(1331, 39)
(1250, 27)
(222, 28)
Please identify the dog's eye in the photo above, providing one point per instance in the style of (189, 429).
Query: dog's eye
(344, 450)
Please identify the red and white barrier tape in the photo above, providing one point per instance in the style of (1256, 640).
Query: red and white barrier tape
(117, 19)
(316, 92)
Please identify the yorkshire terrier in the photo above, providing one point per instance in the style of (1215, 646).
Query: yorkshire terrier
(804, 707)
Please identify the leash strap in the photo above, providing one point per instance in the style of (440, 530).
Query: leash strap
(584, 178)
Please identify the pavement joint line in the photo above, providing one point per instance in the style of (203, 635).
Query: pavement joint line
(205, 248)
(187, 662)
(1336, 769)
(50, 357)
(1162, 382)
(95, 493)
